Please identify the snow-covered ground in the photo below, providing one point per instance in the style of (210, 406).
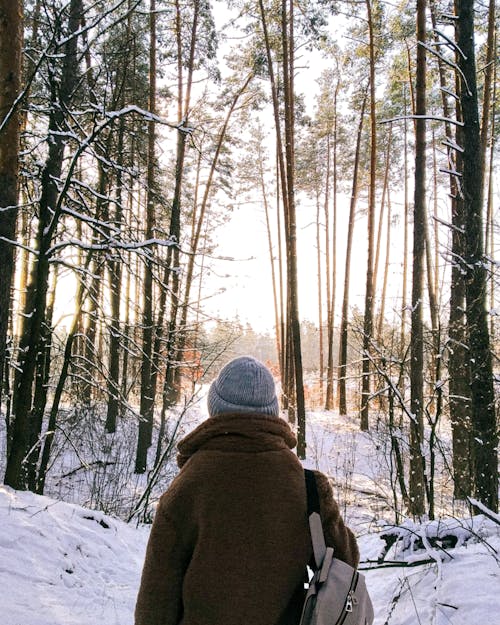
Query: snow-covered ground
(62, 564)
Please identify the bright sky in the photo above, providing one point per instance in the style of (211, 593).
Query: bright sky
(247, 280)
(248, 284)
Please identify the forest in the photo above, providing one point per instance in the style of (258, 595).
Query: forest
(134, 132)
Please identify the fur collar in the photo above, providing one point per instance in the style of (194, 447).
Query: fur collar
(237, 433)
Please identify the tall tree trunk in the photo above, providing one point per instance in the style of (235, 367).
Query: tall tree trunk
(368, 313)
(126, 345)
(274, 279)
(381, 221)
(490, 240)
(347, 271)
(90, 359)
(485, 433)
(281, 283)
(115, 282)
(386, 265)
(458, 365)
(320, 297)
(489, 71)
(11, 40)
(406, 209)
(385, 200)
(416, 479)
(332, 255)
(287, 25)
(286, 378)
(49, 213)
(147, 391)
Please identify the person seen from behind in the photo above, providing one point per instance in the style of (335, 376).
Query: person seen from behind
(230, 539)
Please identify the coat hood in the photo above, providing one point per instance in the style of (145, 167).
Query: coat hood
(237, 433)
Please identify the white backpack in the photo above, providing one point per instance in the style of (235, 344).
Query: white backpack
(337, 593)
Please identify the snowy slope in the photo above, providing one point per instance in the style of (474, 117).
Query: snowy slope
(61, 564)
(460, 587)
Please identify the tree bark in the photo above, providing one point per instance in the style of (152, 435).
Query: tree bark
(385, 200)
(485, 433)
(416, 479)
(320, 297)
(332, 261)
(11, 15)
(368, 313)
(115, 282)
(347, 271)
(275, 285)
(147, 390)
(458, 365)
(287, 26)
(286, 377)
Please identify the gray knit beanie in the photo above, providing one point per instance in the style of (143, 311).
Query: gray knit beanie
(244, 385)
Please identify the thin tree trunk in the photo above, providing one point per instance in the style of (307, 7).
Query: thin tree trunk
(368, 313)
(320, 298)
(281, 281)
(382, 210)
(52, 420)
(385, 199)
(286, 377)
(490, 240)
(126, 343)
(416, 479)
(386, 266)
(332, 260)
(431, 282)
(405, 240)
(489, 71)
(294, 322)
(432, 296)
(271, 259)
(115, 282)
(98, 265)
(147, 390)
(347, 271)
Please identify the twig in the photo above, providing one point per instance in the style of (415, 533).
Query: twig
(87, 466)
(394, 564)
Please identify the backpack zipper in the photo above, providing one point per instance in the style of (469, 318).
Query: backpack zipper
(349, 602)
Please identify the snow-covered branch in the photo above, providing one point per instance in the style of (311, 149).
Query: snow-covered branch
(436, 118)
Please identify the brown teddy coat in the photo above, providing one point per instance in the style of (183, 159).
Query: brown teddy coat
(230, 538)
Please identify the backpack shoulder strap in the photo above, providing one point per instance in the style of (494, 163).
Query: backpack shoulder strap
(313, 512)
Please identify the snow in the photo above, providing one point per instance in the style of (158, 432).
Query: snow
(63, 564)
